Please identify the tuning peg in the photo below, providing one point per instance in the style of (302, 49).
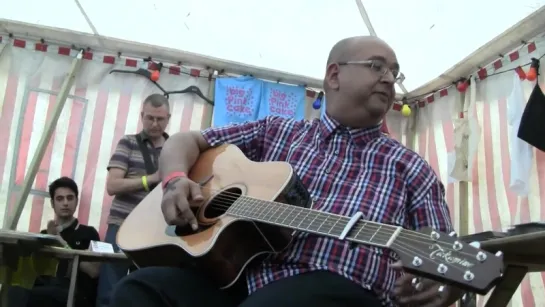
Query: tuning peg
(453, 234)
(475, 244)
(499, 253)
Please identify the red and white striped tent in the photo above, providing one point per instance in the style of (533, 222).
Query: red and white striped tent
(102, 107)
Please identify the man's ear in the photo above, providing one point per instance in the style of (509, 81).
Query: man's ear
(331, 79)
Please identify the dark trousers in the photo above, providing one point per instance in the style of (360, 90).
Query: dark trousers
(54, 294)
(110, 273)
(171, 287)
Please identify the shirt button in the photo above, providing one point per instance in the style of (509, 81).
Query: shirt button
(336, 152)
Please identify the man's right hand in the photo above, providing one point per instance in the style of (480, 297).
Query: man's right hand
(52, 228)
(178, 194)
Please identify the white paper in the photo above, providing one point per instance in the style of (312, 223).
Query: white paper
(101, 247)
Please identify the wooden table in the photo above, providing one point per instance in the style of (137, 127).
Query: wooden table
(522, 254)
(16, 244)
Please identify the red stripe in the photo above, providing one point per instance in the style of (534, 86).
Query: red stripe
(26, 134)
(448, 133)
(41, 181)
(206, 116)
(6, 121)
(95, 140)
(75, 124)
(120, 125)
(187, 115)
(512, 199)
(490, 171)
(434, 162)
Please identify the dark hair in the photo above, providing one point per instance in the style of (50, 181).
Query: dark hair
(63, 182)
(157, 100)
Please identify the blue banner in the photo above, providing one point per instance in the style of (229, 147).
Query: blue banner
(236, 100)
(282, 100)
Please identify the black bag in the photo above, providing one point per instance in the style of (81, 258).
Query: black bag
(150, 167)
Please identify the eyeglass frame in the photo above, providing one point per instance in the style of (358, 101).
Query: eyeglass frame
(369, 63)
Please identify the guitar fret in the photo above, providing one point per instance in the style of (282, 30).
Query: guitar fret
(303, 219)
(332, 227)
(364, 232)
(288, 214)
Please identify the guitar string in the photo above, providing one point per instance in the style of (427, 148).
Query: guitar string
(311, 212)
(374, 232)
(395, 245)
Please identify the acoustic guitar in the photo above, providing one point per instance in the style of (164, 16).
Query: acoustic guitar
(251, 211)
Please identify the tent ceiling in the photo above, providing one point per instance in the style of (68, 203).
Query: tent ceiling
(294, 36)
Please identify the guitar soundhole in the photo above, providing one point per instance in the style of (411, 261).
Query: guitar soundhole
(221, 202)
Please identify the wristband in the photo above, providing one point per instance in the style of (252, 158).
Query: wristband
(145, 183)
(172, 176)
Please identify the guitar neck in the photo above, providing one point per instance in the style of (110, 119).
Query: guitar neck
(317, 222)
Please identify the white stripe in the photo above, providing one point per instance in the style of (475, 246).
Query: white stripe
(196, 116)
(5, 65)
(104, 152)
(6, 176)
(83, 150)
(177, 109)
(12, 152)
(482, 202)
(38, 127)
(497, 162)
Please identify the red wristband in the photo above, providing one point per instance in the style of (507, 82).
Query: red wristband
(172, 176)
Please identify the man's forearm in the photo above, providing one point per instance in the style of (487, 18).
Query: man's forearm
(180, 152)
(124, 185)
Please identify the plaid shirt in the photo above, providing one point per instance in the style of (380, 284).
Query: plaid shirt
(345, 171)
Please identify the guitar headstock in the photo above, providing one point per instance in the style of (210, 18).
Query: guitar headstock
(447, 259)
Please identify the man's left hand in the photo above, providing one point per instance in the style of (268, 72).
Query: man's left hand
(424, 293)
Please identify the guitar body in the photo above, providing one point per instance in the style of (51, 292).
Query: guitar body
(224, 245)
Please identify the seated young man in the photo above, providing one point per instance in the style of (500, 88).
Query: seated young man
(53, 291)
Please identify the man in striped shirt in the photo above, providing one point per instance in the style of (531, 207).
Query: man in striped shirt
(132, 173)
(347, 165)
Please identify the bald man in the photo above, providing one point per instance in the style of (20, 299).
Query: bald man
(347, 165)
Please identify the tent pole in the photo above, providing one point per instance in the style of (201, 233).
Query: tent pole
(208, 109)
(369, 25)
(44, 141)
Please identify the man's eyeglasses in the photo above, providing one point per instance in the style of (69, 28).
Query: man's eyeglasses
(378, 66)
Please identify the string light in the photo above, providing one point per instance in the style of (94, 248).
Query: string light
(521, 73)
(405, 109)
(533, 71)
(519, 70)
(462, 85)
(155, 74)
(317, 104)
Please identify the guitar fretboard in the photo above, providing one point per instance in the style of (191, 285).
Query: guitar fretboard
(313, 221)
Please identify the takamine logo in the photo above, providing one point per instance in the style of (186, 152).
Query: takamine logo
(439, 253)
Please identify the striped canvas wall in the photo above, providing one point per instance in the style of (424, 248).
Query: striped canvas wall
(94, 118)
(492, 204)
(101, 108)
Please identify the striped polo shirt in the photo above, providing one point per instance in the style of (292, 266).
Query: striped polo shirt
(128, 157)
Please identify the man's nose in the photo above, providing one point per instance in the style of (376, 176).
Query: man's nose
(388, 77)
